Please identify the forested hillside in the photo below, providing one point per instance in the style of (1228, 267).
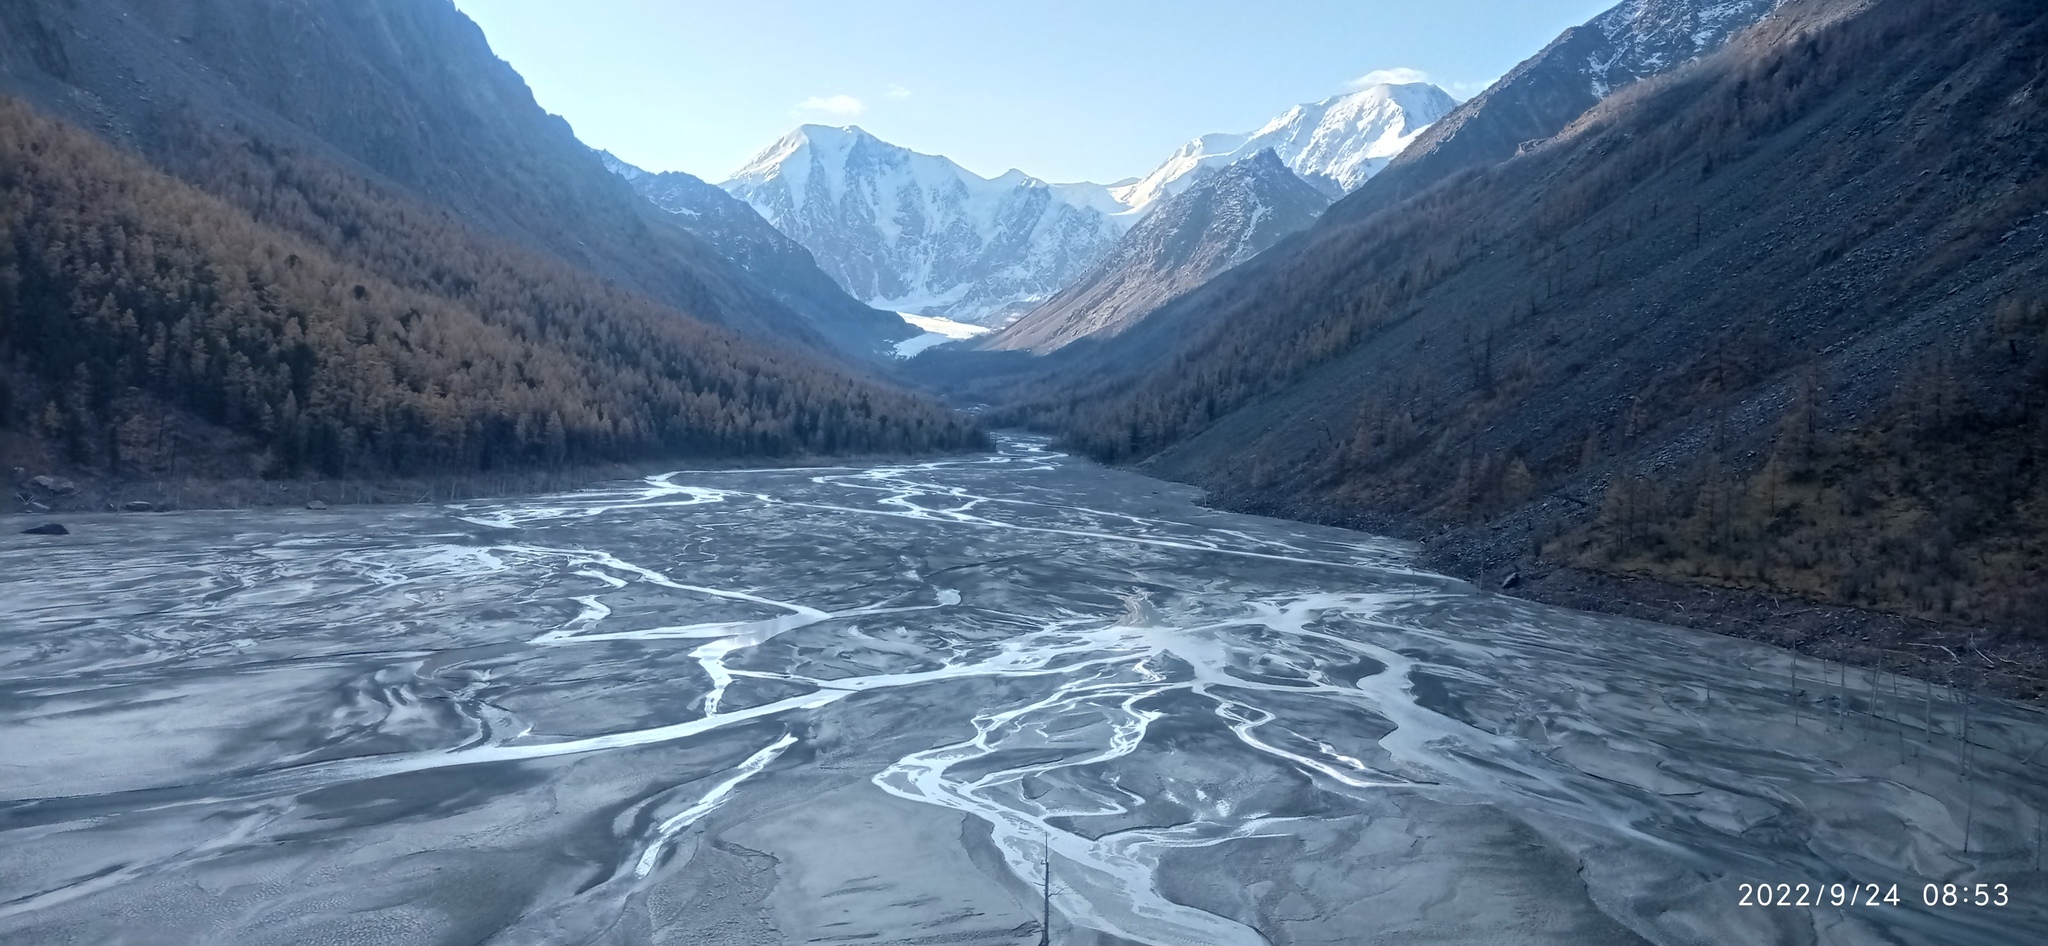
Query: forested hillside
(339, 330)
(1934, 506)
(779, 263)
(1770, 320)
(252, 101)
(1632, 41)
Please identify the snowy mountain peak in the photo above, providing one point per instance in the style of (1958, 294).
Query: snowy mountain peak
(918, 233)
(1264, 161)
(781, 266)
(619, 167)
(1238, 209)
(1646, 37)
(1226, 215)
(1336, 143)
(835, 138)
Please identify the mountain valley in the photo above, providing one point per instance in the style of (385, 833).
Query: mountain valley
(919, 233)
(1623, 328)
(1607, 510)
(387, 313)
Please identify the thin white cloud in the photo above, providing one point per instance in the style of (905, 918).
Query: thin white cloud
(837, 106)
(1399, 75)
(1465, 90)
(898, 93)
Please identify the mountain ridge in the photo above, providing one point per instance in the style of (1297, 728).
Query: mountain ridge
(1227, 215)
(407, 266)
(406, 93)
(914, 232)
(882, 218)
(1633, 40)
(1732, 327)
(1336, 143)
(781, 264)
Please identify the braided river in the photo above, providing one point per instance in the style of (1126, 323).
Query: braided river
(883, 704)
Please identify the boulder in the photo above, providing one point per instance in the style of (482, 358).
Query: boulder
(137, 505)
(316, 504)
(47, 528)
(54, 484)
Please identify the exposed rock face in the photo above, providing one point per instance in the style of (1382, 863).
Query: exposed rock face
(1337, 144)
(1538, 98)
(1791, 252)
(776, 261)
(918, 233)
(1230, 214)
(55, 485)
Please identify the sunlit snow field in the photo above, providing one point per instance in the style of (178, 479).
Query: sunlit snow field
(937, 331)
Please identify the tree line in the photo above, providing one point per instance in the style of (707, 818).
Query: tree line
(1936, 506)
(388, 340)
(1608, 323)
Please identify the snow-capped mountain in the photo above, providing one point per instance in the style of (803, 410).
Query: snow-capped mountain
(1224, 217)
(1646, 37)
(918, 233)
(775, 261)
(1632, 41)
(1336, 143)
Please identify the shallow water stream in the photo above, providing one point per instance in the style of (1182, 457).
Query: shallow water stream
(865, 705)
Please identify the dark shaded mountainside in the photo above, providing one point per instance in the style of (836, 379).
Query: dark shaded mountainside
(340, 238)
(1229, 215)
(1635, 40)
(776, 261)
(1773, 321)
(1536, 100)
(406, 93)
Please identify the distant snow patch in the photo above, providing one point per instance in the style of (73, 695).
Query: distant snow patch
(937, 331)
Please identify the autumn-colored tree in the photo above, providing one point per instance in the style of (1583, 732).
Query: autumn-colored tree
(391, 340)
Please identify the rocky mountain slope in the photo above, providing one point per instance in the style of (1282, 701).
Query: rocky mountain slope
(1229, 214)
(1634, 40)
(775, 261)
(340, 238)
(918, 233)
(403, 93)
(1336, 144)
(1772, 320)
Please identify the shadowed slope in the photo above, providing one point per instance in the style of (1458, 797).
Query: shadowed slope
(405, 94)
(1229, 216)
(1842, 201)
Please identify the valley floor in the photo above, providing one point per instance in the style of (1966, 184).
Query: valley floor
(1993, 661)
(868, 704)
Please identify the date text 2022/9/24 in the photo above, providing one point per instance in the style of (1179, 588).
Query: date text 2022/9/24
(1870, 895)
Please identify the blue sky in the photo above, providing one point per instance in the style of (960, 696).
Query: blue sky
(1064, 89)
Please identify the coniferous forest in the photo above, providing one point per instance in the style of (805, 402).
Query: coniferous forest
(343, 331)
(1773, 322)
